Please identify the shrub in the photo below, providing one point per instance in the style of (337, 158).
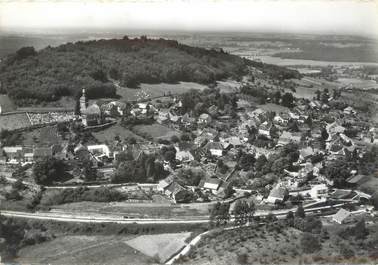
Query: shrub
(310, 243)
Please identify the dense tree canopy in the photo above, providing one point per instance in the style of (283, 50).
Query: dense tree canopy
(31, 77)
(48, 170)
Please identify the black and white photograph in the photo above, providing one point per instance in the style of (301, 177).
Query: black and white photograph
(193, 132)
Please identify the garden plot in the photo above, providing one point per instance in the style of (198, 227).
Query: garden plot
(83, 250)
(161, 246)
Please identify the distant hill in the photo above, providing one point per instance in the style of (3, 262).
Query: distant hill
(31, 77)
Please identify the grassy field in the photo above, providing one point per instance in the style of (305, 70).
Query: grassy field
(159, 210)
(111, 132)
(14, 121)
(83, 250)
(156, 90)
(160, 246)
(155, 131)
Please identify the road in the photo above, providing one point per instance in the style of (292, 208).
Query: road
(97, 218)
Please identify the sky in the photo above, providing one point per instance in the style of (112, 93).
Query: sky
(357, 17)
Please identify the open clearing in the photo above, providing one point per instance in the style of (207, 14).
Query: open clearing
(162, 246)
(156, 131)
(108, 134)
(156, 90)
(83, 250)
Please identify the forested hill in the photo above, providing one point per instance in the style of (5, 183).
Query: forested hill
(31, 77)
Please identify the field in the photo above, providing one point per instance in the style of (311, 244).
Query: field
(224, 247)
(160, 246)
(14, 121)
(157, 210)
(155, 131)
(156, 90)
(358, 83)
(274, 244)
(83, 250)
(111, 132)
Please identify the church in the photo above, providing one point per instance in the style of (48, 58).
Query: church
(90, 116)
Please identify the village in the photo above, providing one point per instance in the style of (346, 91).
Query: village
(214, 148)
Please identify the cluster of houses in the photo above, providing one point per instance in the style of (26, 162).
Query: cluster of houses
(321, 133)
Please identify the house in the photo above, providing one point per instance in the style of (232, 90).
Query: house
(279, 120)
(264, 129)
(213, 110)
(306, 153)
(232, 141)
(164, 183)
(163, 116)
(277, 194)
(28, 154)
(187, 120)
(288, 137)
(319, 191)
(14, 154)
(114, 108)
(6, 104)
(173, 189)
(143, 109)
(357, 180)
(349, 110)
(212, 184)
(335, 128)
(342, 216)
(99, 150)
(204, 119)
(184, 156)
(214, 148)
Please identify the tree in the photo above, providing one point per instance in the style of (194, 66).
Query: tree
(290, 218)
(89, 172)
(48, 170)
(25, 52)
(219, 214)
(184, 196)
(312, 225)
(300, 212)
(288, 100)
(247, 161)
(169, 156)
(360, 230)
(260, 162)
(241, 210)
(310, 243)
(324, 134)
(175, 139)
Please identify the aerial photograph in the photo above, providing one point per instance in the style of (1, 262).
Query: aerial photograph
(194, 132)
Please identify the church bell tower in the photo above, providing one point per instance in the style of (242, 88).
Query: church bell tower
(83, 107)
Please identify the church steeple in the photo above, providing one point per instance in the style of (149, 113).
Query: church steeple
(83, 102)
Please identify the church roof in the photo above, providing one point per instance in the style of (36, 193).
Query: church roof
(93, 109)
